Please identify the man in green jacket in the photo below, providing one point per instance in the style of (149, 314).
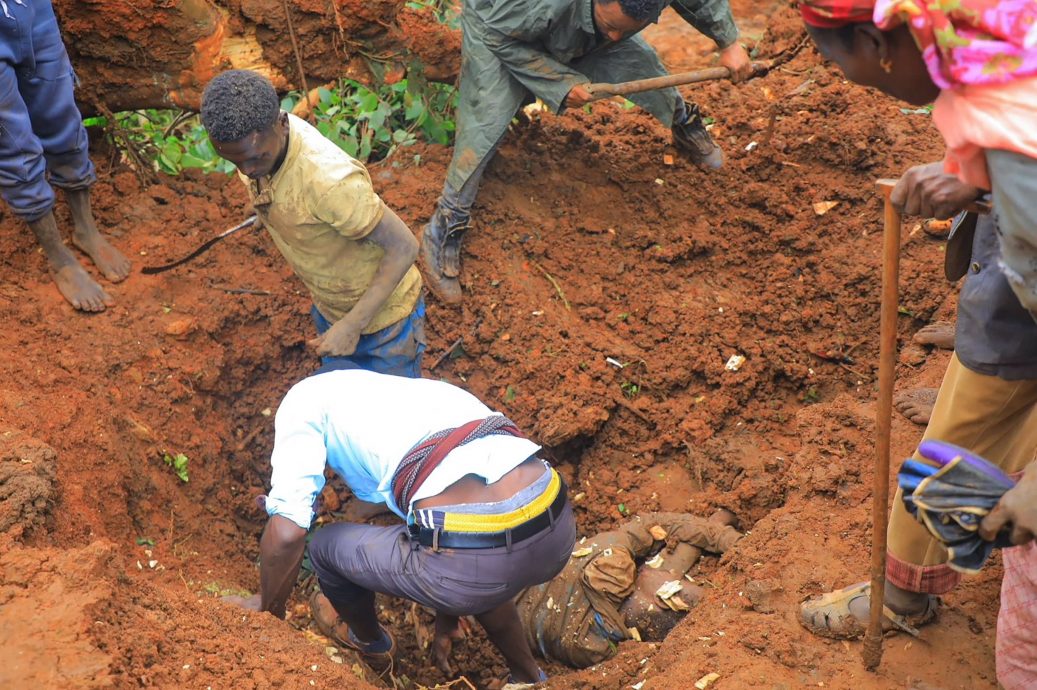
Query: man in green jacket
(513, 50)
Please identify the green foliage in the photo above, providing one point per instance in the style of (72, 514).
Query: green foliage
(179, 464)
(372, 124)
(367, 124)
(218, 590)
(173, 140)
(630, 389)
(445, 11)
(145, 541)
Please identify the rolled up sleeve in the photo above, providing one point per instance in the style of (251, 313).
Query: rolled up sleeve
(297, 461)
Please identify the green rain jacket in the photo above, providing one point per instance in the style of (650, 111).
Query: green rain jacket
(513, 48)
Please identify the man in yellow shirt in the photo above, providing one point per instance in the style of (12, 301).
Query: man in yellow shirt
(353, 253)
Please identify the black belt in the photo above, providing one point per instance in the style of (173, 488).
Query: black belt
(438, 539)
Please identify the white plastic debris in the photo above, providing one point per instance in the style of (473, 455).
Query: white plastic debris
(735, 362)
(668, 589)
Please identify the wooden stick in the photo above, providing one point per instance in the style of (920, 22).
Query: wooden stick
(872, 652)
(446, 353)
(603, 90)
(298, 56)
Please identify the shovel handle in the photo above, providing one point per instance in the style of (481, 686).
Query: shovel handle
(606, 90)
(872, 648)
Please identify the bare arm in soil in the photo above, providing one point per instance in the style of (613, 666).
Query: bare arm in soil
(401, 249)
(280, 553)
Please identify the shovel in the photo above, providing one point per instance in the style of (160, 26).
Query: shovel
(247, 223)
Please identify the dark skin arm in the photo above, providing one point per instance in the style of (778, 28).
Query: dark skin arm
(401, 249)
(280, 553)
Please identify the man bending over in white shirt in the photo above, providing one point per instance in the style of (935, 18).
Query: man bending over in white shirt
(485, 518)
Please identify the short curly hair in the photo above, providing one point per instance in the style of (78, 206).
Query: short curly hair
(237, 103)
(641, 9)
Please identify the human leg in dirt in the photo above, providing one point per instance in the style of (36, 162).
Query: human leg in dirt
(986, 402)
(489, 98)
(23, 183)
(993, 417)
(633, 59)
(48, 95)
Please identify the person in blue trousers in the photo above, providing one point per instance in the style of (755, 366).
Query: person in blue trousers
(43, 145)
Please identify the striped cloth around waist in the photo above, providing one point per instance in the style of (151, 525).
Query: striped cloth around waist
(453, 521)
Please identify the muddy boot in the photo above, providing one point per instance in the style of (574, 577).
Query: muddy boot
(440, 256)
(694, 142)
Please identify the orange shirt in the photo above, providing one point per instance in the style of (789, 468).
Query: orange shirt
(973, 118)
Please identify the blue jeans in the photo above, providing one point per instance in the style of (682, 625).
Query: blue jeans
(396, 349)
(41, 129)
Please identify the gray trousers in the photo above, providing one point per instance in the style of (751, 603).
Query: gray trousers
(352, 560)
(1014, 180)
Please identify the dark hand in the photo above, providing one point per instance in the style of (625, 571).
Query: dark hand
(448, 629)
(1018, 508)
(929, 192)
(252, 603)
(735, 59)
(578, 96)
(338, 341)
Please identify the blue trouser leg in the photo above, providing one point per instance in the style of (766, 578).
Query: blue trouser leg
(395, 350)
(23, 183)
(40, 126)
(49, 98)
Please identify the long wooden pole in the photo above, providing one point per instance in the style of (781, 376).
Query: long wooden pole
(872, 652)
(604, 90)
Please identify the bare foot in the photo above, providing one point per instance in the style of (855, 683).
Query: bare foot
(916, 404)
(107, 258)
(80, 289)
(939, 334)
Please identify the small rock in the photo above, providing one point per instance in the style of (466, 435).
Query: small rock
(181, 327)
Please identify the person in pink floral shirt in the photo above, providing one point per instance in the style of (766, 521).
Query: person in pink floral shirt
(976, 60)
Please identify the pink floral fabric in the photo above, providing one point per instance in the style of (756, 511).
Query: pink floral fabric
(968, 41)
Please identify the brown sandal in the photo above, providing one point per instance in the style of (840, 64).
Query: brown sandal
(828, 615)
(335, 629)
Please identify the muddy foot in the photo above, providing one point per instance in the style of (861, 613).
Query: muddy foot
(109, 260)
(939, 334)
(916, 404)
(80, 289)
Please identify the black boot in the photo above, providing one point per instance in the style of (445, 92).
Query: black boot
(440, 256)
(692, 140)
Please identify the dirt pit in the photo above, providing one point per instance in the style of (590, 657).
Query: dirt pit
(112, 577)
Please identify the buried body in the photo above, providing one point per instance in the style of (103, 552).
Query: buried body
(603, 596)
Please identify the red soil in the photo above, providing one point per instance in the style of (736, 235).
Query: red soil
(663, 269)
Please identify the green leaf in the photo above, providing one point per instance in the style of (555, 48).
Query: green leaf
(179, 464)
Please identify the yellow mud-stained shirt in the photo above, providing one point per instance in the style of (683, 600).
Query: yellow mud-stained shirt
(319, 207)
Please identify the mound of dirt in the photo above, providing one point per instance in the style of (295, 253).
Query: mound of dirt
(27, 492)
